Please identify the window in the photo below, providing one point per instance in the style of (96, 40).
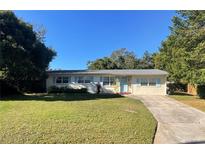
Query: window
(152, 82)
(79, 79)
(59, 80)
(101, 80)
(105, 80)
(66, 79)
(144, 82)
(84, 79)
(108, 80)
(138, 82)
(158, 81)
(88, 79)
(112, 81)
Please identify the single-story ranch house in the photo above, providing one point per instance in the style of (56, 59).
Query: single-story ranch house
(132, 81)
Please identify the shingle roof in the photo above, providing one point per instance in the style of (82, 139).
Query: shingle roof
(111, 72)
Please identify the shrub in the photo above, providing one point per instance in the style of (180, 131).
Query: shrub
(201, 91)
(54, 89)
(176, 87)
(7, 89)
(36, 86)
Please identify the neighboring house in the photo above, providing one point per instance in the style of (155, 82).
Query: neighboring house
(133, 81)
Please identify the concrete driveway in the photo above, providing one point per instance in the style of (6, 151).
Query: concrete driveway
(177, 122)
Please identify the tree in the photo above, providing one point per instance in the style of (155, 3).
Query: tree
(40, 32)
(24, 56)
(147, 61)
(103, 63)
(119, 59)
(182, 54)
(124, 59)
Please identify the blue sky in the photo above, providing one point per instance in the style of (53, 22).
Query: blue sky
(79, 36)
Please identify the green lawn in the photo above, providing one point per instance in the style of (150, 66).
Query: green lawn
(193, 101)
(75, 118)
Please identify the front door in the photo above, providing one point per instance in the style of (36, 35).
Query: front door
(123, 85)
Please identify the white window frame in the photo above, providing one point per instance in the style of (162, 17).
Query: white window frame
(90, 78)
(109, 80)
(103, 79)
(154, 83)
(146, 80)
(138, 82)
(83, 78)
(57, 79)
(68, 78)
(77, 79)
(114, 80)
(157, 81)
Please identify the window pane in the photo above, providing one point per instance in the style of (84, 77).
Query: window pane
(76, 79)
(112, 81)
(88, 79)
(105, 80)
(158, 82)
(66, 79)
(69, 79)
(138, 82)
(59, 80)
(79, 79)
(152, 82)
(144, 82)
(101, 79)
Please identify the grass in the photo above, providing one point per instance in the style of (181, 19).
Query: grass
(75, 118)
(193, 101)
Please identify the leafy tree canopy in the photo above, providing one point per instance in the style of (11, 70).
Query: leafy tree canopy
(122, 59)
(147, 61)
(182, 54)
(23, 54)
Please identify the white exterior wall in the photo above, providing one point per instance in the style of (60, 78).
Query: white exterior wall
(90, 86)
(149, 90)
(49, 82)
(133, 89)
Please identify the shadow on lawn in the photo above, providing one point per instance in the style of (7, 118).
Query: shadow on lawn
(62, 97)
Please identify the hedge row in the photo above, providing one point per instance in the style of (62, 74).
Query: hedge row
(201, 91)
(176, 87)
(54, 89)
(179, 87)
(7, 89)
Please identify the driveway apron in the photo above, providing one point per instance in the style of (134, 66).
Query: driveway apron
(177, 122)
